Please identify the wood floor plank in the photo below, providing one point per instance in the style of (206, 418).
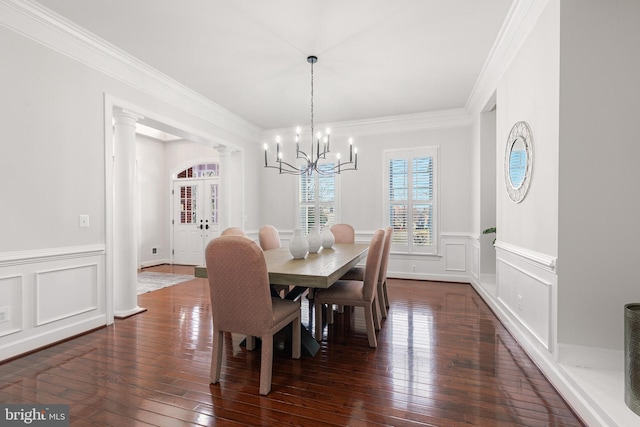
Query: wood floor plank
(443, 359)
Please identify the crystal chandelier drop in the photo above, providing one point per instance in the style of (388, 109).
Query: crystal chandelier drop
(319, 148)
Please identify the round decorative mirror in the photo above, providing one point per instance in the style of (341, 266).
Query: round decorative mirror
(518, 161)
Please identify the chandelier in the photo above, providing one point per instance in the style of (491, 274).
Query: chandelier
(311, 161)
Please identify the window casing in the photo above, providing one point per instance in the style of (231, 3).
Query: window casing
(411, 199)
(317, 199)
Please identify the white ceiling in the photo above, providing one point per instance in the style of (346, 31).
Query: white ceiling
(377, 58)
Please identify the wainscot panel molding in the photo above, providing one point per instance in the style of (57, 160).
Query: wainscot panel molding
(38, 23)
(527, 297)
(526, 290)
(455, 256)
(51, 295)
(81, 281)
(474, 259)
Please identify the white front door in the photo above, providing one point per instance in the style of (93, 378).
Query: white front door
(195, 218)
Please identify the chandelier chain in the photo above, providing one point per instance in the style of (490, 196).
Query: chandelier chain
(312, 132)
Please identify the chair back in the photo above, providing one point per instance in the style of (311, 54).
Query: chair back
(386, 249)
(239, 285)
(235, 231)
(372, 267)
(269, 237)
(344, 233)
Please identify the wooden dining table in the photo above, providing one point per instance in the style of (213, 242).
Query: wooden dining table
(318, 271)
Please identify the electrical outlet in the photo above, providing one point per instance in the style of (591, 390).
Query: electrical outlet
(83, 221)
(5, 314)
(520, 302)
(154, 251)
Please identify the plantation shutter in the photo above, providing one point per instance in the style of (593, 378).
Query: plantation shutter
(411, 199)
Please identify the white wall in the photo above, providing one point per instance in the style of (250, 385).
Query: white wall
(153, 201)
(599, 148)
(529, 91)
(488, 187)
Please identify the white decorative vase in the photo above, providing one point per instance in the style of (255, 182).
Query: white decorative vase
(315, 241)
(328, 239)
(298, 245)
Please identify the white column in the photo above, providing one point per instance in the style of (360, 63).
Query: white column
(225, 201)
(125, 242)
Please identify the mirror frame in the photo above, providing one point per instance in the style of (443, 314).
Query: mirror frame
(520, 130)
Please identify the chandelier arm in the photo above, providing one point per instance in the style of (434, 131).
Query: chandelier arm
(284, 170)
(303, 156)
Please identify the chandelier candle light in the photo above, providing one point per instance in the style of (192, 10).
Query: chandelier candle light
(311, 161)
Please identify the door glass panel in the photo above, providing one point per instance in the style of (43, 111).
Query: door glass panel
(214, 203)
(188, 203)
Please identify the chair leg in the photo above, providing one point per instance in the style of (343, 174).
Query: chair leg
(250, 342)
(371, 331)
(386, 295)
(317, 308)
(381, 303)
(216, 356)
(266, 363)
(296, 338)
(377, 320)
(329, 314)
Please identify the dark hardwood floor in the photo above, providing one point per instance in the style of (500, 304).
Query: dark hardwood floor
(443, 359)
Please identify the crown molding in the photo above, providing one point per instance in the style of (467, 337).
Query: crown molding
(387, 125)
(520, 20)
(42, 25)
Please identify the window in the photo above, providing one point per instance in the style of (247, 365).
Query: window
(317, 196)
(411, 199)
(204, 170)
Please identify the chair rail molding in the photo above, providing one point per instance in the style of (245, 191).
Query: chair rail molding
(50, 254)
(539, 259)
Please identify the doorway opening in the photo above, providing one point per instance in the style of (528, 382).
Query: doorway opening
(196, 211)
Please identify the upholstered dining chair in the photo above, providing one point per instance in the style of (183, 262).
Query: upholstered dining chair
(355, 293)
(357, 273)
(241, 302)
(236, 231)
(269, 238)
(344, 233)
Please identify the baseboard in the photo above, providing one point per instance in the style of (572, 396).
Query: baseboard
(154, 263)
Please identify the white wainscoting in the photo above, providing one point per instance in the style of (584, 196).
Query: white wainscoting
(526, 283)
(474, 258)
(51, 295)
(11, 301)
